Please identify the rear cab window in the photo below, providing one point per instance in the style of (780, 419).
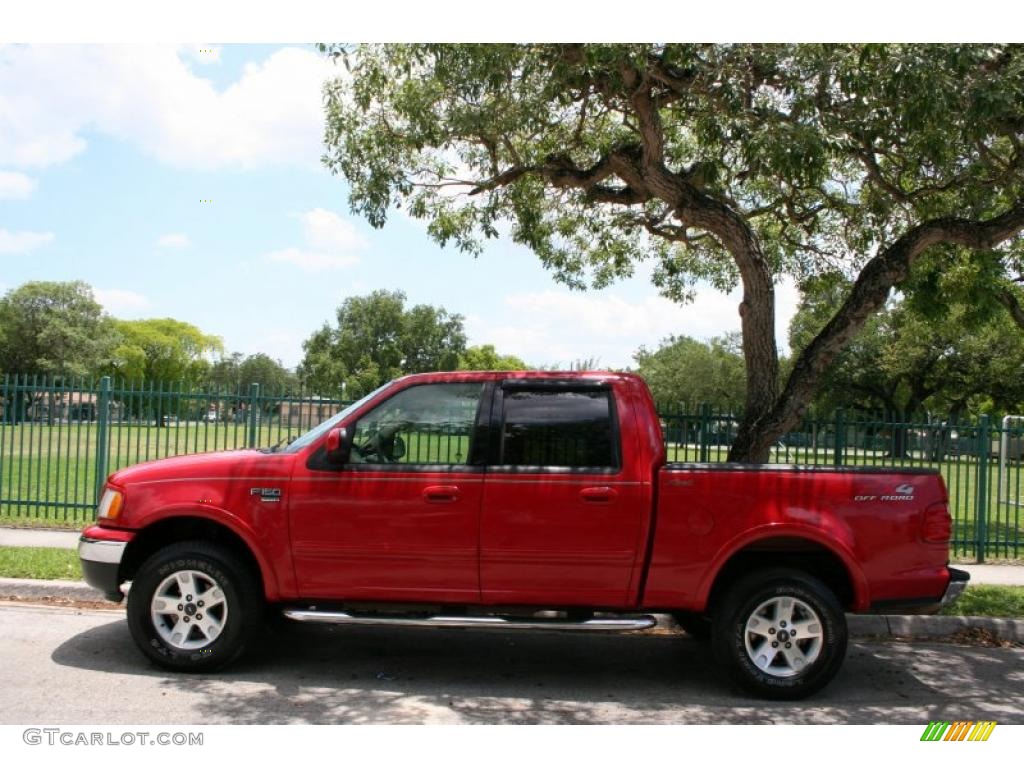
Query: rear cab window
(558, 427)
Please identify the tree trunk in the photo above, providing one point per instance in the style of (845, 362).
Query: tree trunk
(762, 427)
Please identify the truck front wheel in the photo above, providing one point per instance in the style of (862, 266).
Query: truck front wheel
(781, 633)
(193, 607)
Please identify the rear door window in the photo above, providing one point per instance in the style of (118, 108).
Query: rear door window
(559, 428)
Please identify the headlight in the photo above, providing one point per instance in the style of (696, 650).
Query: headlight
(110, 504)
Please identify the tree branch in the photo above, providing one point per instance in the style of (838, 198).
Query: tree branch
(1009, 299)
(886, 270)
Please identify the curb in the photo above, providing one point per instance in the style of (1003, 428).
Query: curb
(926, 627)
(69, 590)
(913, 627)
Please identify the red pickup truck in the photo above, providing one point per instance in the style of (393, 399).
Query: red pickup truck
(531, 500)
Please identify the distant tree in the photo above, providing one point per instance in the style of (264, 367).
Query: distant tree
(486, 358)
(269, 373)
(686, 372)
(375, 339)
(164, 350)
(55, 329)
(225, 372)
(729, 163)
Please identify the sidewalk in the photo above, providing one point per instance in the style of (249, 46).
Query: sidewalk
(1005, 575)
(38, 537)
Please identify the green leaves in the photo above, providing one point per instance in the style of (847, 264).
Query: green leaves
(377, 339)
(686, 372)
(162, 349)
(842, 146)
(54, 329)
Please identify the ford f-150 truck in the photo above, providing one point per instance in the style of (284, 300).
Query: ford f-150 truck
(524, 500)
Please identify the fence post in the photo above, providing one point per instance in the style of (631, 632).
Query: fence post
(704, 438)
(254, 404)
(981, 506)
(102, 427)
(840, 437)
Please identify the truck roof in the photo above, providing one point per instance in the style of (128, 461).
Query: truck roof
(438, 376)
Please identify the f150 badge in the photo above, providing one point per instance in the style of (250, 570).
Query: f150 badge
(903, 492)
(266, 494)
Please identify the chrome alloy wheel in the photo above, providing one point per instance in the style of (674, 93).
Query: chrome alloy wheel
(189, 610)
(783, 636)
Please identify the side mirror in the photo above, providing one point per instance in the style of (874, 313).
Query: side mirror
(338, 446)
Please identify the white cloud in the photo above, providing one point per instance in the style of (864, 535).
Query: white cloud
(330, 242)
(118, 301)
(311, 261)
(176, 240)
(15, 186)
(560, 327)
(327, 231)
(52, 97)
(23, 242)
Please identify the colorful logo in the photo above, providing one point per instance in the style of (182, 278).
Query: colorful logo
(962, 730)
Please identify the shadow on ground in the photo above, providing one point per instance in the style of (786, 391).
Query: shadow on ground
(382, 675)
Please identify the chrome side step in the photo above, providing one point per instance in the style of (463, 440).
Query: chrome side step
(479, 622)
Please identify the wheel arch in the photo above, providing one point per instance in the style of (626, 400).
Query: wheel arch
(816, 558)
(186, 526)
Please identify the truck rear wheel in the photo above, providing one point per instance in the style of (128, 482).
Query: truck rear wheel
(193, 607)
(781, 633)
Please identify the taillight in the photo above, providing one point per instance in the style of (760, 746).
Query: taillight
(936, 525)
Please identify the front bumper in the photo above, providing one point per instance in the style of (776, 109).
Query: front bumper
(101, 563)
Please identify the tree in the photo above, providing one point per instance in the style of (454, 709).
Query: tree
(908, 359)
(376, 339)
(225, 373)
(724, 163)
(486, 358)
(270, 374)
(55, 329)
(684, 371)
(164, 350)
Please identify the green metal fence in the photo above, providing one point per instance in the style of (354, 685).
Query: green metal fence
(60, 439)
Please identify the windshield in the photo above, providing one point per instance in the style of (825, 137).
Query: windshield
(314, 434)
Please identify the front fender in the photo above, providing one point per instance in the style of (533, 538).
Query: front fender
(272, 586)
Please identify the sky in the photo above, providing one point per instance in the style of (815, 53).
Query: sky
(185, 182)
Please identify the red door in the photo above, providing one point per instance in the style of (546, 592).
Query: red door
(400, 521)
(563, 520)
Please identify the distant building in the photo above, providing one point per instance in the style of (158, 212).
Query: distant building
(308, 412)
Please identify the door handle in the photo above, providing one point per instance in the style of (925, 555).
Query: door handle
(599, 494)
(441, 494)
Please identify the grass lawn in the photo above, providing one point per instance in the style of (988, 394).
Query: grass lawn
(988, 600)
(39, 563)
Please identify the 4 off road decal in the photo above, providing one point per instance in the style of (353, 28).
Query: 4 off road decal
(903, 492)
(963, 730)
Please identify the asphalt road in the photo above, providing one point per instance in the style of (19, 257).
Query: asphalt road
(66, 666)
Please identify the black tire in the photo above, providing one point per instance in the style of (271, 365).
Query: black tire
(242, 611)
(696, 625)
(780, 679)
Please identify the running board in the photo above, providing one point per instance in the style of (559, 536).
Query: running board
(479, 622)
